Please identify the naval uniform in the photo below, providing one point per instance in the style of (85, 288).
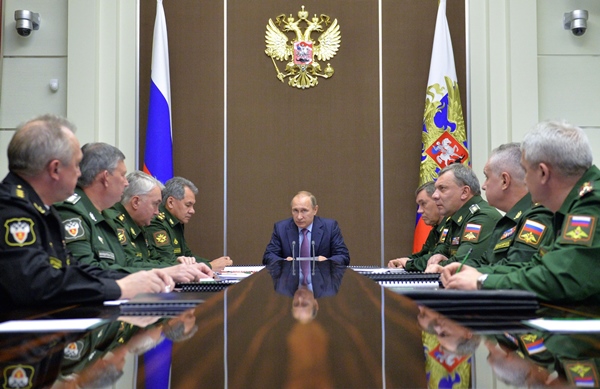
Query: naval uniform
(35, 265)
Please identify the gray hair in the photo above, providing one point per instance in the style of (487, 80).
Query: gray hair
(507, 158)
(313, 199)
(39, 141)
(562, 145)
(463, 175)
(98, 157)
(428, 187)
(140, 184)
(175, 187)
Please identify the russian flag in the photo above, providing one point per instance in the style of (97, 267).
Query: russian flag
(158, 162)
(158, 156)
(582, 221)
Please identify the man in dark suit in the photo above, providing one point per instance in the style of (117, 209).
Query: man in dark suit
(306, 235)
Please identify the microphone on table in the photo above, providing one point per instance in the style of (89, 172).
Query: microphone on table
(293, 257)
(313, 257)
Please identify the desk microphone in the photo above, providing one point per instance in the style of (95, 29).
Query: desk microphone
(313, 257)
(293, 257)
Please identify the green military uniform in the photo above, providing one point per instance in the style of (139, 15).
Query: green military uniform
(568, 269)
(575, 358)
(133, 239)
(433, 240)
(166, 239)
(90, 236)
(518, 235)
(469, 228)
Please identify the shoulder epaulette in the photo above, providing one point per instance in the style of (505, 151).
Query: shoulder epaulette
(161, 216)
(73, 199)
(474, 209)
(19, 191)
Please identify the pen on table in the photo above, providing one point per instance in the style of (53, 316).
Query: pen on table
(464, 259)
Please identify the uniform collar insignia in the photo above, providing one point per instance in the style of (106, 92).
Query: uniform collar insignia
(587, 187)
(93, 217)
(518, 215)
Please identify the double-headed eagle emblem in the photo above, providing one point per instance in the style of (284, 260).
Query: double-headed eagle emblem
(302, 69)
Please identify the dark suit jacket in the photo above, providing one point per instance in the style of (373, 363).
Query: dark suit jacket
(325, 233)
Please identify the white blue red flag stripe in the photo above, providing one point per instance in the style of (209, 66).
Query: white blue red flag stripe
(158, 155)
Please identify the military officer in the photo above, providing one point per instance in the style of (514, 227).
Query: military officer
(470, 220)
(525, 226)
(133, 213)
(35, 265)
(166, 232)
(559, 173)
(431, 217)
(90, 232)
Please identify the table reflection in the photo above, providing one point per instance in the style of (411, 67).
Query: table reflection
(268, 332)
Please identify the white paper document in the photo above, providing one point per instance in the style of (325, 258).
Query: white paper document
(49, 325)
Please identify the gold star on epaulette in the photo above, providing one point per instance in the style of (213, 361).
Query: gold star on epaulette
(121, 217)
(161, 216)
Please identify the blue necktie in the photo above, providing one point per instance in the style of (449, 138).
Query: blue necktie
(305, 252)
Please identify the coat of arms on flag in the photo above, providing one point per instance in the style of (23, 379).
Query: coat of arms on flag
(303, 71)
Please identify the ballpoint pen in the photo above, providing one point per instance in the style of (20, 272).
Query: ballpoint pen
(464, 259)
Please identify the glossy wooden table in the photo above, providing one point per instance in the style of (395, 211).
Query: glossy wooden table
(363, 337)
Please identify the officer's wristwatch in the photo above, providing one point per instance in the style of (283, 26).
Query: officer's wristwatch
(480, 280)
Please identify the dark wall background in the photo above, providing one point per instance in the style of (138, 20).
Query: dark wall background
(279, 139)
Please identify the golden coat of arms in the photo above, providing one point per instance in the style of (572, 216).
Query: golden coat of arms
(301, 50)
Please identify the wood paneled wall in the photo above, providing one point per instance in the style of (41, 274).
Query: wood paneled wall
(279, 139)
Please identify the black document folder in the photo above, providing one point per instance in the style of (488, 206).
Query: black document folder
(486, 303)
(206, 286)
(161, 304)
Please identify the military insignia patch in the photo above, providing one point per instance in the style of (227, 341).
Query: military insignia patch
(18, 376)
(19, 232)
(531, 233)
(502, 245)
(472, 232)
(533, 344)
(73, 350)
(508, 233)
(587, 187)
(443, 235)
(581, 373)
(161, 216)
(73, 229)
(455, 241)
(578, 229)
(161, 238)
(122, 236)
